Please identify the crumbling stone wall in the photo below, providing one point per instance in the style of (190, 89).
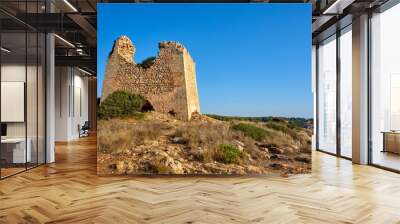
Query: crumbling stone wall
(169, 83)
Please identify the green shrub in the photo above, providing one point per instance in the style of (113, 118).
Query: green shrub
(277, 126)
(284, 128)
(251, 131)
(219, 117)
(294, 125)
(121, 104)
(277, 119)
(228, 154)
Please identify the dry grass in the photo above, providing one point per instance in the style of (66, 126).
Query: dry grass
(204, 139)
(280, 134)
(117, 135)
(298, 137)
(159, 167)
(200, 141)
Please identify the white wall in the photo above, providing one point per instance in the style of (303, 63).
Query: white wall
(314, 91)
(71, 102)
(62, 82)
(81, 89)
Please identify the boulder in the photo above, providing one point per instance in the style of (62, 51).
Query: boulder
(240, 145)
(276, 166)
(253, 170)
(174, 165)
(271, 148)
(304, 159)
(121, 166)
(113, 166)
(275, 150)
(274, 156)
(178, 140)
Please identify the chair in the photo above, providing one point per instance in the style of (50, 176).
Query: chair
(84, 130)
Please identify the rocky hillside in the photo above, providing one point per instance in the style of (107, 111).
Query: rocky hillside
(160, 144)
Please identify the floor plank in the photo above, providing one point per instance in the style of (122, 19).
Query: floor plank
(69, 191)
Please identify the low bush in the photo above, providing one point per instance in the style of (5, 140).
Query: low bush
(121, 104)
(284, 128)
(203, 139)
(228, 154)
(294, 125)
(251, 131)
(277, 119)
(277, 126)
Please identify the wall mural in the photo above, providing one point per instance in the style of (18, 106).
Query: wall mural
(150, 119)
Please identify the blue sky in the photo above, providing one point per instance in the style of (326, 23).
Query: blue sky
(251, 59)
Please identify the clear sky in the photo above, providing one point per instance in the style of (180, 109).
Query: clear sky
(251, 59)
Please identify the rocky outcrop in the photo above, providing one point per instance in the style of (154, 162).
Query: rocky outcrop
(168, 82)
(165, 151)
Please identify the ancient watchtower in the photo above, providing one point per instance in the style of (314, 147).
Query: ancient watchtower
(168, 81)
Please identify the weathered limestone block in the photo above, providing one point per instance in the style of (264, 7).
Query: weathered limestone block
(169, 83)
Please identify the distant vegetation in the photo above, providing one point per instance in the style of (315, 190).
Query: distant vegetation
(230, 118)
(121, 104)
(251, 131)
(293, 122)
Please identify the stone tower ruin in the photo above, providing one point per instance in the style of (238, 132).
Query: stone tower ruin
(168, 81)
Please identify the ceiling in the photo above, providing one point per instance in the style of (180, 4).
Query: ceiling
(75, 22)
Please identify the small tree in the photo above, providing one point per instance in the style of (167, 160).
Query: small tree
(120, 104)
(228, 154)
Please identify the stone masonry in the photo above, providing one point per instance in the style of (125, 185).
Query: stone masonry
(169, 83)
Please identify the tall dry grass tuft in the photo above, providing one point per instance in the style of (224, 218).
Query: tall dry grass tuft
(117, 135)
(204, 140)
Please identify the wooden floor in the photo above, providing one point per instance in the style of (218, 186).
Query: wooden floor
(69, 191)
(386, 159)
(5, 172)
